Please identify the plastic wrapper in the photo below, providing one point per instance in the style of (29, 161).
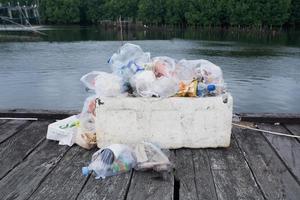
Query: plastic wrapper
(164, 66)
(150, 156)
(112, 160)
(188, 90)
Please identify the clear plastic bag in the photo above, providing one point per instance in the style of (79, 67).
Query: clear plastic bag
(165, 87)
(112, 160)
(89, 79)
(210, 72)
(164, 66)
(150, 156)
(108, 85)
(142, 83)
(128, 59)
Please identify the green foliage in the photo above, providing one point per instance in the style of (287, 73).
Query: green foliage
(259, 13)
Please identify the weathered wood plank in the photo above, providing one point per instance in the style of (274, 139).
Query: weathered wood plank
(232, 176)
(194, 174)
(11, 127)
(66, 180)
(287, 148)
(271, 174)
(150, 185)
(22, 181)
(288, 118)
(40, 114)
(110, 188)
(3, 121)
(16, 148)
(293, 128)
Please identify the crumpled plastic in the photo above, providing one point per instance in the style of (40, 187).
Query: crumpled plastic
(119, 158)
(111, 160)
(150, 157)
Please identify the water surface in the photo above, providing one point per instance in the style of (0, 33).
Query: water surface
(262, 72)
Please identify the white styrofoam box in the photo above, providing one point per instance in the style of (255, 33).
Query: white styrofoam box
(63, 130)
(169, 122)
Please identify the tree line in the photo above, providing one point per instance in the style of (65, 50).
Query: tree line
(257, 13)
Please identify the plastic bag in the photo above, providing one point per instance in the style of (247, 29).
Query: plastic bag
(108, 85)
(89, 79)
(142, 83)
(112, 160)
(210, 72)
(129, 57)
(164, 66)
(185, 70)
(165, 87)
(150, 156)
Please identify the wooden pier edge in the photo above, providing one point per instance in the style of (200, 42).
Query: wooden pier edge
(286, 118)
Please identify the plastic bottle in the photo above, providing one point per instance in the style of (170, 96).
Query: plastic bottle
(201, 90)
(112, 160)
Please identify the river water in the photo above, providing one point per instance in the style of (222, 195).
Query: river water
(262, 71)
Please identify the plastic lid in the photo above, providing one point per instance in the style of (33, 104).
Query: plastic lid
(85, 171)
(211, 87)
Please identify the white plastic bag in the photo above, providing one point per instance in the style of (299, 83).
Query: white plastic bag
(142, 83)
(89, 79)
(165, 87)
(108, 85)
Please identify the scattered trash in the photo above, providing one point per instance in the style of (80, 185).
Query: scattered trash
(135, 73)
(64, 130)
(150, 156)
(119, 158)
(112, 160)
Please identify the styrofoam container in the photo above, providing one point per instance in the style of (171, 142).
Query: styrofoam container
(169, 122)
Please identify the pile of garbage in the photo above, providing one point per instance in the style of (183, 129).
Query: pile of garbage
(134, 74)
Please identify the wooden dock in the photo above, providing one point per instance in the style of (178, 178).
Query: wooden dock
(255, 166)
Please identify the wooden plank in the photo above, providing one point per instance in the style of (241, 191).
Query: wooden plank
(232, 176)
(40, 114)
(66, 180)
(194, 174)
(11, 127)
(293, 128)
(271, 174)
(15, 149)
(3, 121)
(288, 118)
(22, 181)
(151, 185)
(288, 149)
(115, 187)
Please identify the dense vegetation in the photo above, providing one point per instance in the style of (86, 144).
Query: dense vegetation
(257, 13)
